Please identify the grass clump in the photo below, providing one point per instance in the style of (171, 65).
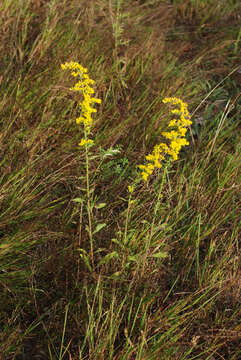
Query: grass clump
(106, 265)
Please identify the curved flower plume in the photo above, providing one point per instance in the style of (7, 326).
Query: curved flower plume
(84, 86)
(176, 137)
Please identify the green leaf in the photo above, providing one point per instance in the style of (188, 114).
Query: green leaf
(116, 275)
(99, 227)
(119, 243)
(84, 256)
(132, 258)
(111, 152)
(160, 255)
(108, 257)
(93, 157)
(78, 200)
(100, 205)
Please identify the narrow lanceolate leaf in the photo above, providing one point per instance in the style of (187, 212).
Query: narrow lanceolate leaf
(119, 243)
(85, 258)
(99, 227)
(78, 200)
(133, 258)
(108, 257)
(93, 157)
(160, 255)
(111, 152)
(86, 261)
(100, 205)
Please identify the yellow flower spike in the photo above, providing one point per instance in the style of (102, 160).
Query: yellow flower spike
(176, 137)
(83, 86)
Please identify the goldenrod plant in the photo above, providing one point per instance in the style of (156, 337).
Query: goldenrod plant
(84, 87)
(177, 141)
(155, 159)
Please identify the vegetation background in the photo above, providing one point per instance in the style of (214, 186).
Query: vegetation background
(136, 304)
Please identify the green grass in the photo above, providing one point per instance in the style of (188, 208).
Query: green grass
(135, 304)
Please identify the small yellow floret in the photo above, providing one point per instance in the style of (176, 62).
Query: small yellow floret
(84, 142)
(130, 189)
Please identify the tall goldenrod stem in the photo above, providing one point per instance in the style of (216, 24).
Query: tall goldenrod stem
(127, 219)
(84, 86)
(89, 203)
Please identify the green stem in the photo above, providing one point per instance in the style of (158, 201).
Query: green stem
(89, 202)
(127, 219)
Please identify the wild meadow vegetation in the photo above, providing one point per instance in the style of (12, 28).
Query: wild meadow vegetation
(115, 245)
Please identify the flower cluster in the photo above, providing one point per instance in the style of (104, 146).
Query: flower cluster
(176, 137)
(83, 86)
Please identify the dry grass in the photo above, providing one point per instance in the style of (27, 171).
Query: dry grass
(186, 306)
